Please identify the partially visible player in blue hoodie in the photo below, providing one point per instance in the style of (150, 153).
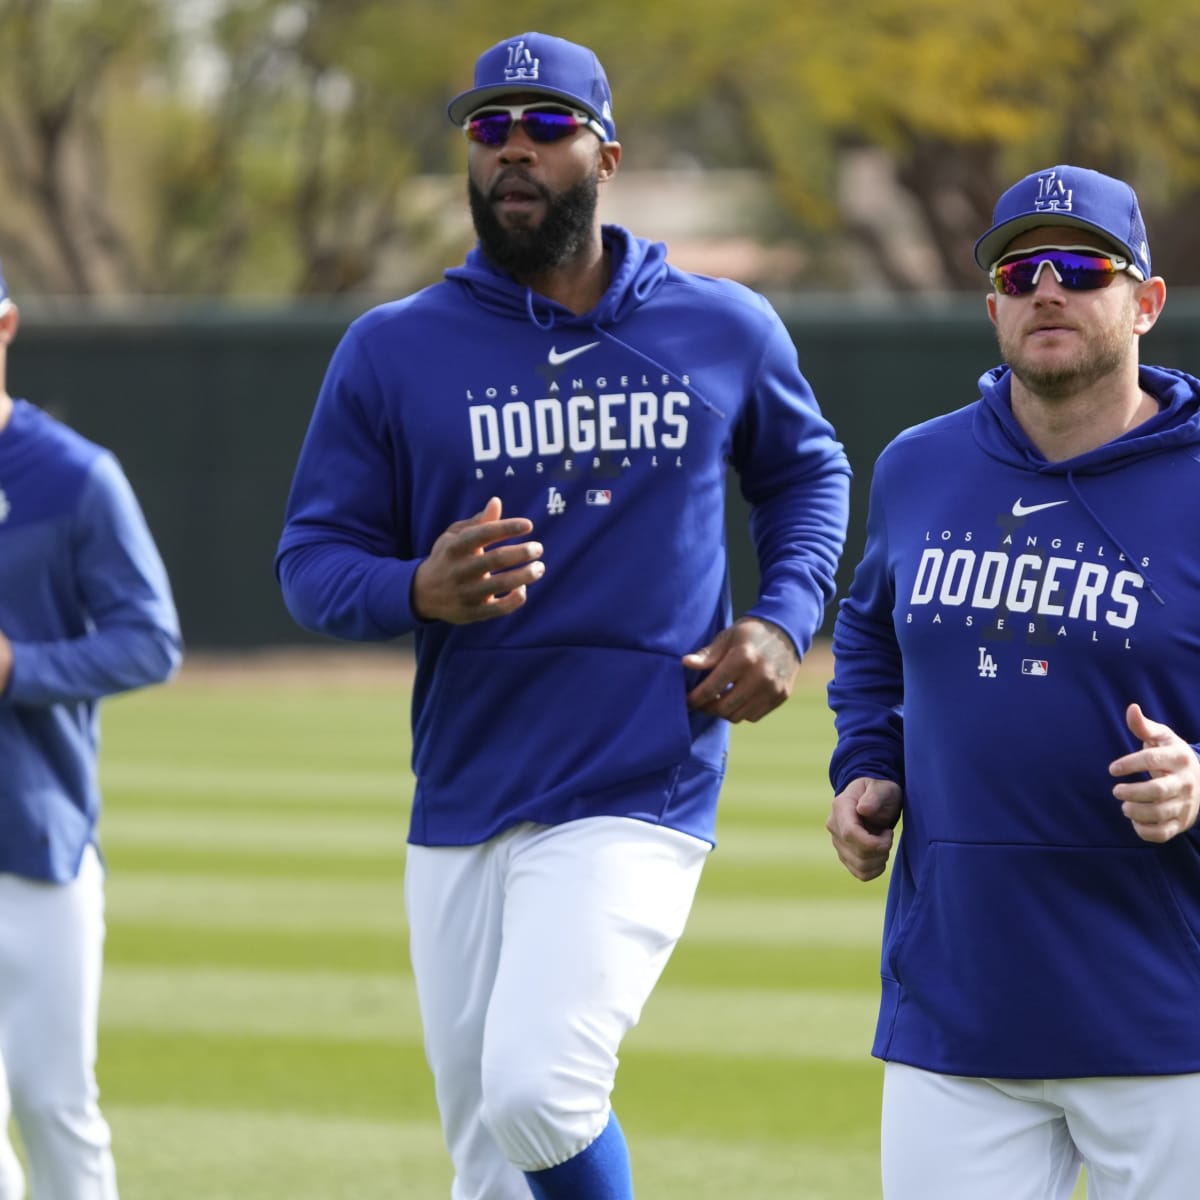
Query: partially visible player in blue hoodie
(85, 611)
(1018, 679)
(525, 465)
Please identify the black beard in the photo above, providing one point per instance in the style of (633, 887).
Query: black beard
(528, 252)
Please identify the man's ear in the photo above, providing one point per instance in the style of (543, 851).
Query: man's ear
(10, 319)
(1149, 298)
(610, 159)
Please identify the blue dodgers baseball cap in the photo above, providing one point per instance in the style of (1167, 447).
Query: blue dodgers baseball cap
(542, 64)
(1071, 196)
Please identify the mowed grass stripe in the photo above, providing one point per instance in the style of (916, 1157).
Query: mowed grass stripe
(228, 1154)
(257, 864)
(748, 1021)
(348, 1007)
(214, 901)
(241, 1154)
(296, 729)
(164, 945)
(800, 843)
(729, 1097)
(848, 968)
(385, 862)
(377, 831)
(796, 1167)
(321, 1005)
(796, 880)
(772, 800)
(329, 831)
(797, 921)
(776, 863)
(696, 1093)
(780, 967)
(385, 1079)
(177, 781)
(234, 805)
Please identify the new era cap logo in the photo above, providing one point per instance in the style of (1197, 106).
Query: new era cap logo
(522, 66)
(1053, 195)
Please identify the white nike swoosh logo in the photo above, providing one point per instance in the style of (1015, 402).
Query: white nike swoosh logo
(557, 359)
(1023, 510)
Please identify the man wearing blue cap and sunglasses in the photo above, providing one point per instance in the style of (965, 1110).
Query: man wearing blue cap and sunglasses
(574, 692)
(1016, 669)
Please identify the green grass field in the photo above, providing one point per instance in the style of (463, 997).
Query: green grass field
(259, 1036)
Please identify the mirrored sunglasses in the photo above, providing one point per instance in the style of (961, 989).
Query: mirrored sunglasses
(1077, 268)
(541, 122)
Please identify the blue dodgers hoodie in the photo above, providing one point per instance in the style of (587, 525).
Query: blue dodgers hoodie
(612, 432)
(1005, 613)
(86, 604)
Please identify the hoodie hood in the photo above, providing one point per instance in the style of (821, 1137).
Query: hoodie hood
(639, 268)
(1176, 424)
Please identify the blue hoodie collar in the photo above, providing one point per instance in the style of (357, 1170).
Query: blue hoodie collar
(639, 268)
(1177, 423)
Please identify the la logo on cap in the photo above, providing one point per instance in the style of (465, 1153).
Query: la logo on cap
(522, 66)
(1053, 195)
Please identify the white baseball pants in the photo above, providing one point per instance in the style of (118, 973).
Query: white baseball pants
(51, 954)
(533, 956)
(950, 1137)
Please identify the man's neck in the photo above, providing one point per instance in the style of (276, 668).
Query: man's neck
(6, 408)
(579, 284)
(1063, 427)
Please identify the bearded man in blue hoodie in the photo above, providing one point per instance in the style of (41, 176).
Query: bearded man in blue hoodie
(524, 465)
(1016, 677)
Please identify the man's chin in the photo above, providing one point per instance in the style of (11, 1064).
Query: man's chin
(517, 216)
(517, 223)
(1055, 383)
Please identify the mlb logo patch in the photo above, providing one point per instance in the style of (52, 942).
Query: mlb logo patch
(599, 496)
(1035, 666)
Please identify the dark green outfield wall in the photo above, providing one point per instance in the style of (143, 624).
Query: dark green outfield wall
(206, 409)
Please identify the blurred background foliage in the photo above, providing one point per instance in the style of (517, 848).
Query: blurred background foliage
(291, 148)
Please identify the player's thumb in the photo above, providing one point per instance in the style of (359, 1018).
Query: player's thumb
(700, 660)
(1148, 731)
(879, 805)
(489, 512)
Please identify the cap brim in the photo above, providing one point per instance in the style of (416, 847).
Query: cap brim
(462, 106)
(993, 243)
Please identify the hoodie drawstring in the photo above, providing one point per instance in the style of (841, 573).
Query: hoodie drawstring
(1129, 558)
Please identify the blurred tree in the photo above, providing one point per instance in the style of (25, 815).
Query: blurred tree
(968, 98)
(947, 102)
(57, 62)
(276, 147)
(216, 148)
